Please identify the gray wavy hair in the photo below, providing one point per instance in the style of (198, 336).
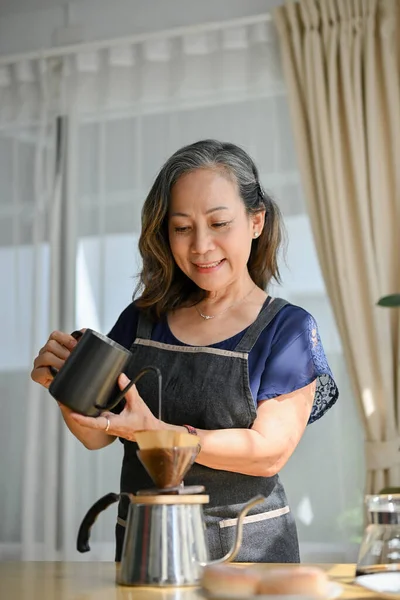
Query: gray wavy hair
(163, 285)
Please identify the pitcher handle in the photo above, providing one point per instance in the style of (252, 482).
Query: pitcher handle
(239, 532)
(82, 541)
(122, 393)
(75, 334)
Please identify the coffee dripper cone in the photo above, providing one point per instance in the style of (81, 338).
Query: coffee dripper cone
(168, 466)
(167, 455)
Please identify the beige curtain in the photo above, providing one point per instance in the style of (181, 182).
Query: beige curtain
(341, 62)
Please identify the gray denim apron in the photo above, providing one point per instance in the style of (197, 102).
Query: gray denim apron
(208, 388)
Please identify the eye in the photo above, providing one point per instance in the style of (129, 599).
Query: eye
(181, 229)
(221, 224)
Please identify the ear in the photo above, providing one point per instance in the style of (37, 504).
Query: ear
(257, 222)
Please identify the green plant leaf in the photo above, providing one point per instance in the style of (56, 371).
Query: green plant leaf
(391, 301)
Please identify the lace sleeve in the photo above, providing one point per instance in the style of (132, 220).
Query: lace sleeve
(326, 392)
(296, 359)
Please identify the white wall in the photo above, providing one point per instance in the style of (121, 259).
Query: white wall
(27, 25)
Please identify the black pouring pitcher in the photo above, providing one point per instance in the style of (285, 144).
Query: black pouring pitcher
(88, 380)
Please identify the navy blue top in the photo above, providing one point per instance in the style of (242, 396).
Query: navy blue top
(288, 354)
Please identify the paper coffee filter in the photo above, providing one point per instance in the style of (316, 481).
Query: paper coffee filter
(186, 439)
(165, 438)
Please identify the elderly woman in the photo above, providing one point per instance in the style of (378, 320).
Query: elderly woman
(244, 371)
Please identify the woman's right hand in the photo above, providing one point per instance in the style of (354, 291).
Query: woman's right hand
(53, 354)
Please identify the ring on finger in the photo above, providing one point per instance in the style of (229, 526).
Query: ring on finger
(108, 424)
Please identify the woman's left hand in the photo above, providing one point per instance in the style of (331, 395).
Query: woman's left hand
(136, 416)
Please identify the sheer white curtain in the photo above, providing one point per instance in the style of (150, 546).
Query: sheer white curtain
(30, 216)
(126, 108)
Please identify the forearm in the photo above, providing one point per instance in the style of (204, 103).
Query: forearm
(239, 450)
(92, 439)
(265, 448)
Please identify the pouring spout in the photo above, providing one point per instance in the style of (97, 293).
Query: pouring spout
(231, 555)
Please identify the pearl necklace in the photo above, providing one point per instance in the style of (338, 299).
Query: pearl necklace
(208, 317)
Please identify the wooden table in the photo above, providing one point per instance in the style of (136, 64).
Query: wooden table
(96, 581)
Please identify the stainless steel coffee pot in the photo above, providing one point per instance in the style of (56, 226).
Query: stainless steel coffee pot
(165, 539)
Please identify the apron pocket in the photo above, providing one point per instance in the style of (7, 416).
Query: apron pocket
(270, 514)
(267, 537)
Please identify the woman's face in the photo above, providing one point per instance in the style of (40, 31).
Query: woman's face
(210, 232)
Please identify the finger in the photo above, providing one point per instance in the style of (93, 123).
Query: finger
(123, 381)
(48, 360)
(43, 376)
(65, 339)
(90, 422)
(54, 347)
(120, 426)
(132, 395)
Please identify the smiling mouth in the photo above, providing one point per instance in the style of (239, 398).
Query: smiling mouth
(209, 265)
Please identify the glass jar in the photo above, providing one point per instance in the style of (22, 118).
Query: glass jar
(380, 546)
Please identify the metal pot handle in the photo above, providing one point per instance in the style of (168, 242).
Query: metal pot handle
(82, 542)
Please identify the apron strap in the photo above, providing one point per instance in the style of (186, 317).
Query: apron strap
(267, 314)
(145, 327)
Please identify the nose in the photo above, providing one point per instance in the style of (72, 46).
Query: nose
(202, 241)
